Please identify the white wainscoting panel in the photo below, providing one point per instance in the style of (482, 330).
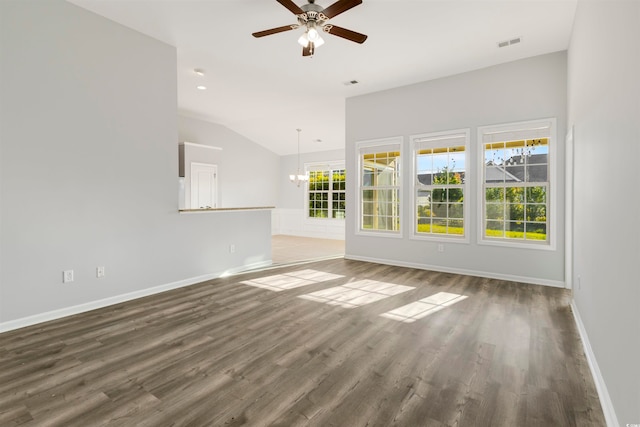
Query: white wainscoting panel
(293, 222)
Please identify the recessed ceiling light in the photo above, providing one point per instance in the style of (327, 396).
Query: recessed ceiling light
(317, 140)
(199, 71)
(351, 82)
(201, 87)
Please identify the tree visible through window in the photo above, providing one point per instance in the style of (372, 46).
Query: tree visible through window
(326, 195)
(516, 184)
(439, 183)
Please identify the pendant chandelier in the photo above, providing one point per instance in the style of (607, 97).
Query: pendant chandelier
(298, 178)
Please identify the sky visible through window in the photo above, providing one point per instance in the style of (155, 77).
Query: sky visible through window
(502, 152)
(437, 162)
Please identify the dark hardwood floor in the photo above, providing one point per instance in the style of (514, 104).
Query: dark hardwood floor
(227, 353)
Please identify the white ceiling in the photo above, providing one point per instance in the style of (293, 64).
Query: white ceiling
(264, 89)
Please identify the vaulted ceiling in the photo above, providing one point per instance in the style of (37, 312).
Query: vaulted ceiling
(263, 88)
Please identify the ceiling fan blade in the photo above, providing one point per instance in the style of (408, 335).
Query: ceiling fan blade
(308, 49)
(344, 33)
(275, 30)
(338, 7)
(294, 8)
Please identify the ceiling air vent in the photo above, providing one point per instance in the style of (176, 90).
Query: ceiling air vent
(506, 43)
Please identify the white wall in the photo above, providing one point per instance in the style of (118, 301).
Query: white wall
(290, 217)
(604, 109)
(246, 171)
(88, 143)
(524, 90)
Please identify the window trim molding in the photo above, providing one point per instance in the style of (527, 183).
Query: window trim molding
(309, 167)
(372, 144)
(414, 235)
(552, 213)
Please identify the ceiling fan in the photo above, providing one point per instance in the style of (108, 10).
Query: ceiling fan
(313, 18)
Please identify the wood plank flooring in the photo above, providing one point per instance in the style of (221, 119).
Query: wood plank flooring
(225, 353)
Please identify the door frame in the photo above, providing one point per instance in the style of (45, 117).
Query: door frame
(568, 209)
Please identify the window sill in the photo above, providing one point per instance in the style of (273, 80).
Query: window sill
(518, 245)
(441, 239)
(250, 208)
(380, 233)
(324, 220)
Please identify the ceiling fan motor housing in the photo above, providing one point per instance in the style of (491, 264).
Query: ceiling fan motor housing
(312, 13)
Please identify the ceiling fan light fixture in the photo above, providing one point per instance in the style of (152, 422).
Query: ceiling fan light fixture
(312, 33)
(303, 40)
(313, 19)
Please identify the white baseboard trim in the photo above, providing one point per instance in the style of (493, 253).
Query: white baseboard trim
(105, 302)
(489, 275)
(605, 400)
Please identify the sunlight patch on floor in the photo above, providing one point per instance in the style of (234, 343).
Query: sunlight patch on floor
(356, 294)
(422, 308)
(291, 280)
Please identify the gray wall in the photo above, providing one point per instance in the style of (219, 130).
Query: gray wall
(247, 172)
(604, 109)
(524, 90)
(89, 168)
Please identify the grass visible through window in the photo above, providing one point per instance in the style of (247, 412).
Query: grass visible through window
(440, 229)
(515, 235)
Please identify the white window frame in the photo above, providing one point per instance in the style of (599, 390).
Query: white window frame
(542, 128)
(322, 166)
(371, 146)
(442, 139)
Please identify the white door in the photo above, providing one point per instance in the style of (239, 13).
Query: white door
(203, 185)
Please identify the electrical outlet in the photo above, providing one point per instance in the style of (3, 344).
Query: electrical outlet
(100, 272)
(579, 282)
(232, 248)
(67, 276)
(440, 247)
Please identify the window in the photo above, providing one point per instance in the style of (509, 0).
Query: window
(379, 186)
(326, 190)
(439, 184)
(517, 183)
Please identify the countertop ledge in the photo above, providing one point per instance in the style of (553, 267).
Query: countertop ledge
(249, 208)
